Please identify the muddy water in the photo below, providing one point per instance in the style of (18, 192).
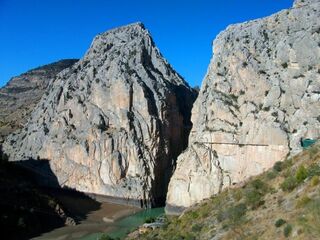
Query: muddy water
(96, 218)
(93, 217)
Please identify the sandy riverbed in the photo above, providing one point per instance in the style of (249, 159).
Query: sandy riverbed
(94, 217)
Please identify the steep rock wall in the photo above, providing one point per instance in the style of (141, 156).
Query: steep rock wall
(114, 123)
(259, 98)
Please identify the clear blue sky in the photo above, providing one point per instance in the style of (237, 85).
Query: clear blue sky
(37, 32)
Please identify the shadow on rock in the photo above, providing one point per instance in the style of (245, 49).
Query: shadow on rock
(32, 202)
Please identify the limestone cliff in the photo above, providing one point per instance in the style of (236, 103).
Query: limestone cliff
(260, 96)
(22, 93)
(115, 122)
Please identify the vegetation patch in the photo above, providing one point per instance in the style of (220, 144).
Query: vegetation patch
(279, 222)
(240, 213)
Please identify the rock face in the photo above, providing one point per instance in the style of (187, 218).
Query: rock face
(22, 93)
(260, 96)
(115, 122)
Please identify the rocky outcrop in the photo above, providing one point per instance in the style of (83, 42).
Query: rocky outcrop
(22, 93)
(260, 96)
(114, 123)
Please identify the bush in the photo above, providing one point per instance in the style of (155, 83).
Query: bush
(237, 195)
(233, 214)
(236, 214)
(280, 222)
(303, 201)
(259, 185)
(196, 228)
(106, 237)
(313, 170)
(254, 198)
(149, 220)
(287, 163)
(287, 230)
(289, 184)
(284, 65)
(193, 215)
(278, 166)
(271, 175)
(301, 174)
(254, 193)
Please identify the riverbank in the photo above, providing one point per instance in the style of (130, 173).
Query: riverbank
(93, 217)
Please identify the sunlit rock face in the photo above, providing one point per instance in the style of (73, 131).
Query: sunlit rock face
(259, 98)
(115, 122)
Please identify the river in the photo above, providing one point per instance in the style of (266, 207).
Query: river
(98, 218)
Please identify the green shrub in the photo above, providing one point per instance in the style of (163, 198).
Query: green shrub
(303, 201)
(287, 163)
(193, 214)
(237, 194)
(313, 170)
(284, 65)
(259, 185)
(196, 227)
(271, 175)
(106, 237)
(301, 174)
(289, 184)
(280, 222)
(233, 214)
(254, 198)
(189, 236)
(287, 230)
(178, 237)
(149, 220)
(278, 166)
(255, 192)
(236, 213)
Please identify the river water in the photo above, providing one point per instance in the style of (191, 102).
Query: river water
(98, 218)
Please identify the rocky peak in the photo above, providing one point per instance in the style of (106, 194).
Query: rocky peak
(114, 123)
(259, 98)
(301, 3)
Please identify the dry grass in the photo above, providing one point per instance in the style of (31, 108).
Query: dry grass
(251, 212)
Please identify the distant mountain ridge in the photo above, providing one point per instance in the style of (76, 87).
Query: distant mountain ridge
(21, 94)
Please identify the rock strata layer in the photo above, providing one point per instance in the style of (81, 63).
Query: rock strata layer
(22, 93)
(114, 123)
(259, 98)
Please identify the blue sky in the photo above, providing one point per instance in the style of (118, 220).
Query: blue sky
(37, 32)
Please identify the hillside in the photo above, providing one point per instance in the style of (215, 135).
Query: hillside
(22, 93)
(284, 202)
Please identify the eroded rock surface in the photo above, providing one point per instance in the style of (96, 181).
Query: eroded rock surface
(262, 88)
(114, 123)
(22, 93)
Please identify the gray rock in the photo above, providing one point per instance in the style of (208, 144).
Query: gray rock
(261, 88)
(114, 123)
(22, 93)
